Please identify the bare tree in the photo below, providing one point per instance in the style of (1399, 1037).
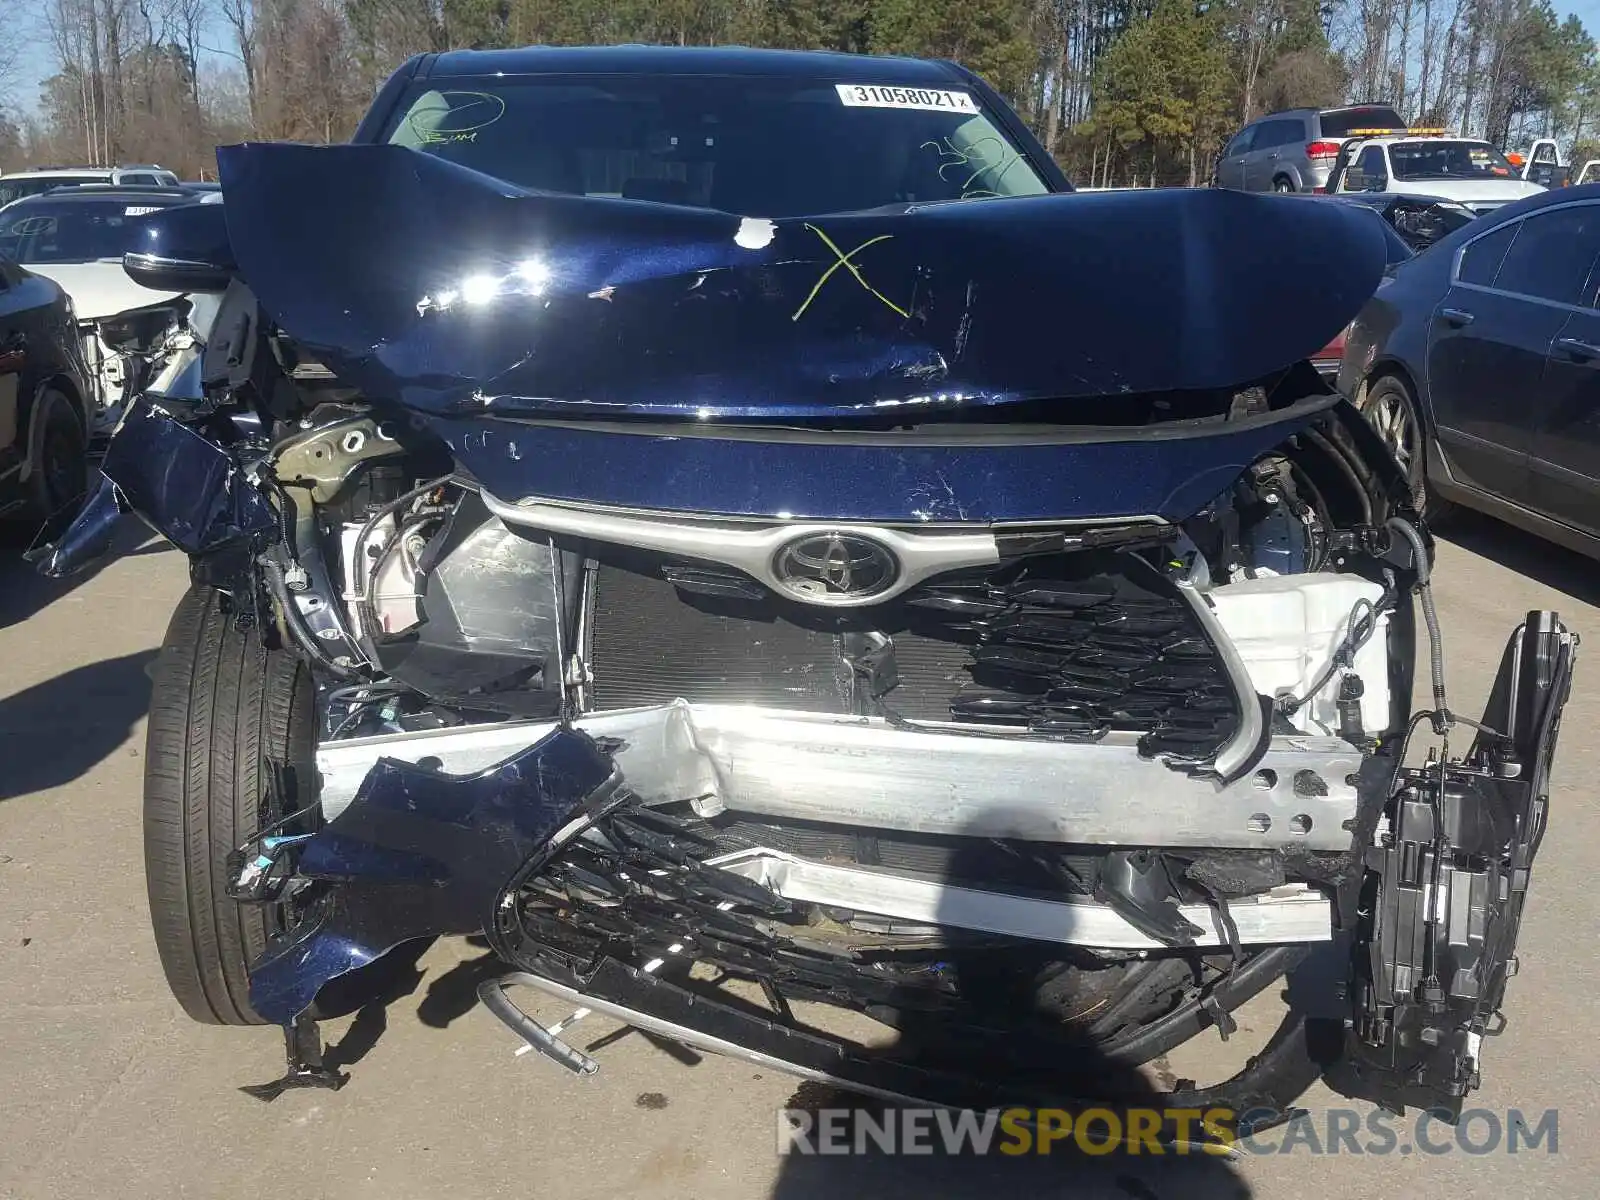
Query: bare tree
(1259, 22)
(140, 78)
(12, 44)
(73, 38)
(187, 21)
(241, 18)
(114, 15)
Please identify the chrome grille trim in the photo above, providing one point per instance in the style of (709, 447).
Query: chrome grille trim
(1238, 753)
(751, 547)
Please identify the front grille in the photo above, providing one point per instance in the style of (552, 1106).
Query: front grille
(652, 645)
(1068, 645)
(1077, 654)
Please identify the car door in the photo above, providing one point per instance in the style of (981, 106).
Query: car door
(1230, 167)
(1564, 464)
(1288, 141)
(1346, 175)
(1370, 172)
(13, 358)
(1341, 166)
(1511, 294)
(1263, 149)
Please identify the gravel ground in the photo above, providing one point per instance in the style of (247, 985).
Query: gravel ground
(109, 1091)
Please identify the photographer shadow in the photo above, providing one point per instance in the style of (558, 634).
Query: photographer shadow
(1063, 1174)
(1057, 1067)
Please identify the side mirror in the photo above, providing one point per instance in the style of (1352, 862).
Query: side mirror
(1355, 180)
(183, 249)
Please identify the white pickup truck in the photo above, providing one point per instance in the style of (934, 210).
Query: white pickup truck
(1542, 164)
(1431, 163)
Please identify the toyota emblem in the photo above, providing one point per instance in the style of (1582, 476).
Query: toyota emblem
(833, 568)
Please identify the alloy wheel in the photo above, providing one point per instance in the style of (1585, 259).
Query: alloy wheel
(1391, 416)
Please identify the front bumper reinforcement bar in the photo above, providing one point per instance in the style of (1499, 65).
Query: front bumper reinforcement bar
(930, 779)
(1292, 913)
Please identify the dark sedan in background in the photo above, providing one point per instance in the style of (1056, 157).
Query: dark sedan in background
(1479, 362)
(44, 420)
(1411, 224)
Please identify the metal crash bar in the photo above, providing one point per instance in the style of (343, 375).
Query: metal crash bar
(931, 779)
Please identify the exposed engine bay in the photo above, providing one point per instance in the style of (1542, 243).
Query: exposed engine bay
(1038, 793)
(143, 350)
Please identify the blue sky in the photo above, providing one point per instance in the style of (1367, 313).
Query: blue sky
(38, 60)
(1588, 11)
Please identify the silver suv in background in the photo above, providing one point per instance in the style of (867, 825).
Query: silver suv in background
(1293, 151)
(39, 180)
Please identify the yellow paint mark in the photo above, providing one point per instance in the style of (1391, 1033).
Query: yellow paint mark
(847, 264)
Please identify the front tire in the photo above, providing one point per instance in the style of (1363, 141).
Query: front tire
(223, 707)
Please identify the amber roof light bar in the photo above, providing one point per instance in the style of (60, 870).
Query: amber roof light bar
(1399, 132)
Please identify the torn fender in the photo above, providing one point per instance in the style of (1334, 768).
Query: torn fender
(419, 853)
(183, 485)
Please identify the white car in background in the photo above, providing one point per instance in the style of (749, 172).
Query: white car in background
(132, 335)
(35, 183)
(1430, 163)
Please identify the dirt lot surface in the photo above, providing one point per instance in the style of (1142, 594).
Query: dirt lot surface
(107, 1090)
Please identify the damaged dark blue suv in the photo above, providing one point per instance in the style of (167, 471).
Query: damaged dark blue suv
(734, 529)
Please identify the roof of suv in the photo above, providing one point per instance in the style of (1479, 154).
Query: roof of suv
(52, 172)
(694, 60)
(75, 172)
(88, 193)
(1338, 108)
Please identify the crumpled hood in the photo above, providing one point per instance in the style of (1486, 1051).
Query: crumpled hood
(99, 289)
(419, 280)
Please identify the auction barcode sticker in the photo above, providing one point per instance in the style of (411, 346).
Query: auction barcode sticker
(874, 95)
